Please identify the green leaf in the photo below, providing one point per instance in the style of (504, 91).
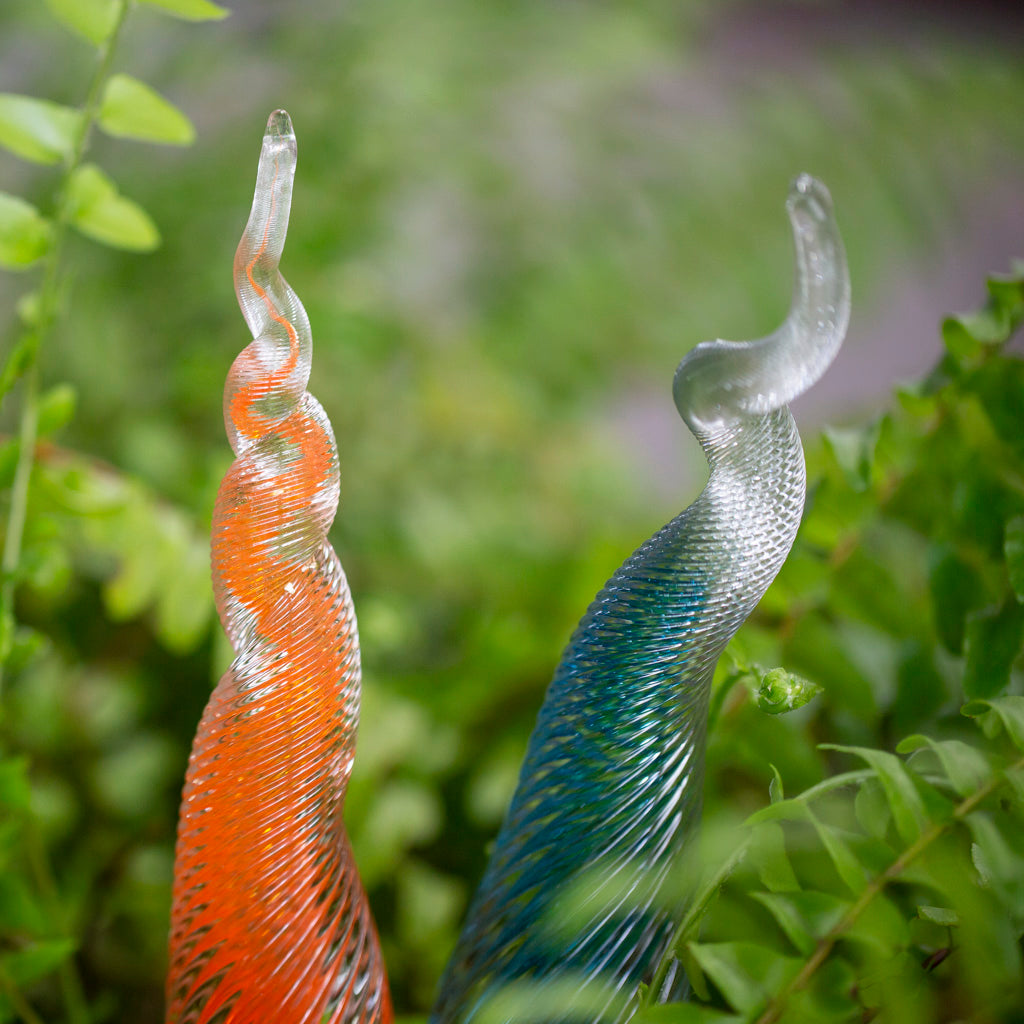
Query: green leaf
(887, 984)
(46, 567)
(917, 398)
(881, 927)
(27, 643)
(131, 109)
(37, 130)
(831, 784)
(871, 587)
(768, 857)
(136, 583)
(847, 866)
(854, 452)
(24, 232)
(999, 713)
(965, 767)
(776, 791)
(992, 644)
(966, 334)
(685, 1013)
(1013, 548)
(19, 908)
(14, 790)
(1006, 296)
(567, 997)
(804, 916)
(989, 852)
(190, 10)
(55, 409)
(829, 999)
(93, 20)
(872, 808)
(404, 813)
(429, 902)
(997, 863)
(7, 628)
(185, 601)
(940, 915)
(28, 309)
(907, 807)
(955, 590)
(125, 778)
(694, 975)
(37, 960)
(981, 505)
(20, 357)
(99, 211)
(1015, 778)
(746, 974)
(998, 385)
(780, 691)
(724, 864)
(921, 690)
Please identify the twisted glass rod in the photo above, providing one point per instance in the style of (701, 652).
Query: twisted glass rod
(610, 789)
(269, 920)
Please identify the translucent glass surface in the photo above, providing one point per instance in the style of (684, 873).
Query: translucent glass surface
(610, 790)
(270, 921)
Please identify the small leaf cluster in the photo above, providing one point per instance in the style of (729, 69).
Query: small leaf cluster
(69, 521)
(89, 523)
(44, 132)
(892, 886)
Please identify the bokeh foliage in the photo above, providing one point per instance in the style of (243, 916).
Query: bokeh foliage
(508, 221)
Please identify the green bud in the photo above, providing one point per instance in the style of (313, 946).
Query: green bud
(781, 691)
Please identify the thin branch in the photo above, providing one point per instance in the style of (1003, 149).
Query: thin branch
(46, 316)
(826, 943)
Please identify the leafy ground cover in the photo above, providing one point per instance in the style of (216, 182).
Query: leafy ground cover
(506, 225)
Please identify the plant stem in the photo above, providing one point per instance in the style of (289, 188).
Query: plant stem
(826, 943)
(46, 315)
(692, 917)
(19, 501)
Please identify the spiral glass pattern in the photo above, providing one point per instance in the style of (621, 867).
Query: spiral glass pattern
(270, 921)
(610, 789)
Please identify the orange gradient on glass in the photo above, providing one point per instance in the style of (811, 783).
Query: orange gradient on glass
(270, 921)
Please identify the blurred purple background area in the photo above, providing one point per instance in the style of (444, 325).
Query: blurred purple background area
(894, 335)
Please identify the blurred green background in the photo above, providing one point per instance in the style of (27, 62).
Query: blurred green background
(510, 223)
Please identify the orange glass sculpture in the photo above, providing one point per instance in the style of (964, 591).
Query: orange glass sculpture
(270, 921)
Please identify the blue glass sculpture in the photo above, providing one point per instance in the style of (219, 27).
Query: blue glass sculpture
(611, 785)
